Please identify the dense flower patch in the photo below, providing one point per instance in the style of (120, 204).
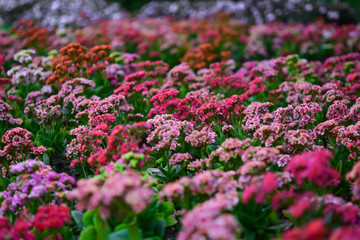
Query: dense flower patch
(98, 143)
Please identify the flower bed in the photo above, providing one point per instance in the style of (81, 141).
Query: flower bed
(185, 134)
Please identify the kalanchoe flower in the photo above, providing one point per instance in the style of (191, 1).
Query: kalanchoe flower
(42, 112)
(327, 128)
(298, 141)
(270, 134)
(180, 75)
(297, 117)
(208, 220)
(261, 154)
(161, 101)
(24, 56)
(231, 108)
(41, 186)
(346, 232)
(302, 206)
(338, 111)
(88, 141)
(316, 229)
(29, 166)
(201, 138)
(166, 132)
(257, 114)
(21, 229)
(229, 152)
(18, 146)
(208, 183)
(313, 167)
(122, 140)
(73, 91)
(116, 196)
(354, 175)
(179, 158)
(51, 217)
(346, 135)
(27, 73)
(6, 116)
(114, 104)
(259, 187)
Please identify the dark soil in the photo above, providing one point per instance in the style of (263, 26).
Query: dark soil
(62, 165)
(170, 233)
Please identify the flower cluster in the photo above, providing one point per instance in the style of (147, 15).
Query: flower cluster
(21, 229)
(18, 146)
(51, 217)
(5, 116)
(314, 167)
(34, 188)
(119, 194)
(166, 132)
(186, 132)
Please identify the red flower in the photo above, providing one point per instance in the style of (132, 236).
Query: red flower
(315, 167)
(51, 217)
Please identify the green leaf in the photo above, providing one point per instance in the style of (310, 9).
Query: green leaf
(46, 159)
(155, 172)
(123, 234)
(210, 148)
(120, 227)
(167, 208)
(88, 234)
(159, 228)
(78, 218)
(66, 233)
(170, 221)
(88, 218)
(2, 184)
(101, 227)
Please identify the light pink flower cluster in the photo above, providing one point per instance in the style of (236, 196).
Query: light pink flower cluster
(327, 128)
(180, 75)
(208, 220)
(180, 158)
(72, 91)
(298, 117)
(261, 154)
(88, 140)
(257, 114)
(270, 134)
(5, 116)
(338, 111)
(167, 133)
(116, 195)
(18, 146)
(201, 138)
(298, 141)
(42, 112)
(348, 134)
(207, 183)
(354, 176)
(229, 153)
(114, 104)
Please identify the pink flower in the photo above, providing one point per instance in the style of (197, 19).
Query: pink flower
(314, 167)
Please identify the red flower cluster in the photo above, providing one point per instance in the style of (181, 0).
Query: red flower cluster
(51, 217)
(313, 167)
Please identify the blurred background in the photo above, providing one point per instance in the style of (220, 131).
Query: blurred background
(60, 13)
